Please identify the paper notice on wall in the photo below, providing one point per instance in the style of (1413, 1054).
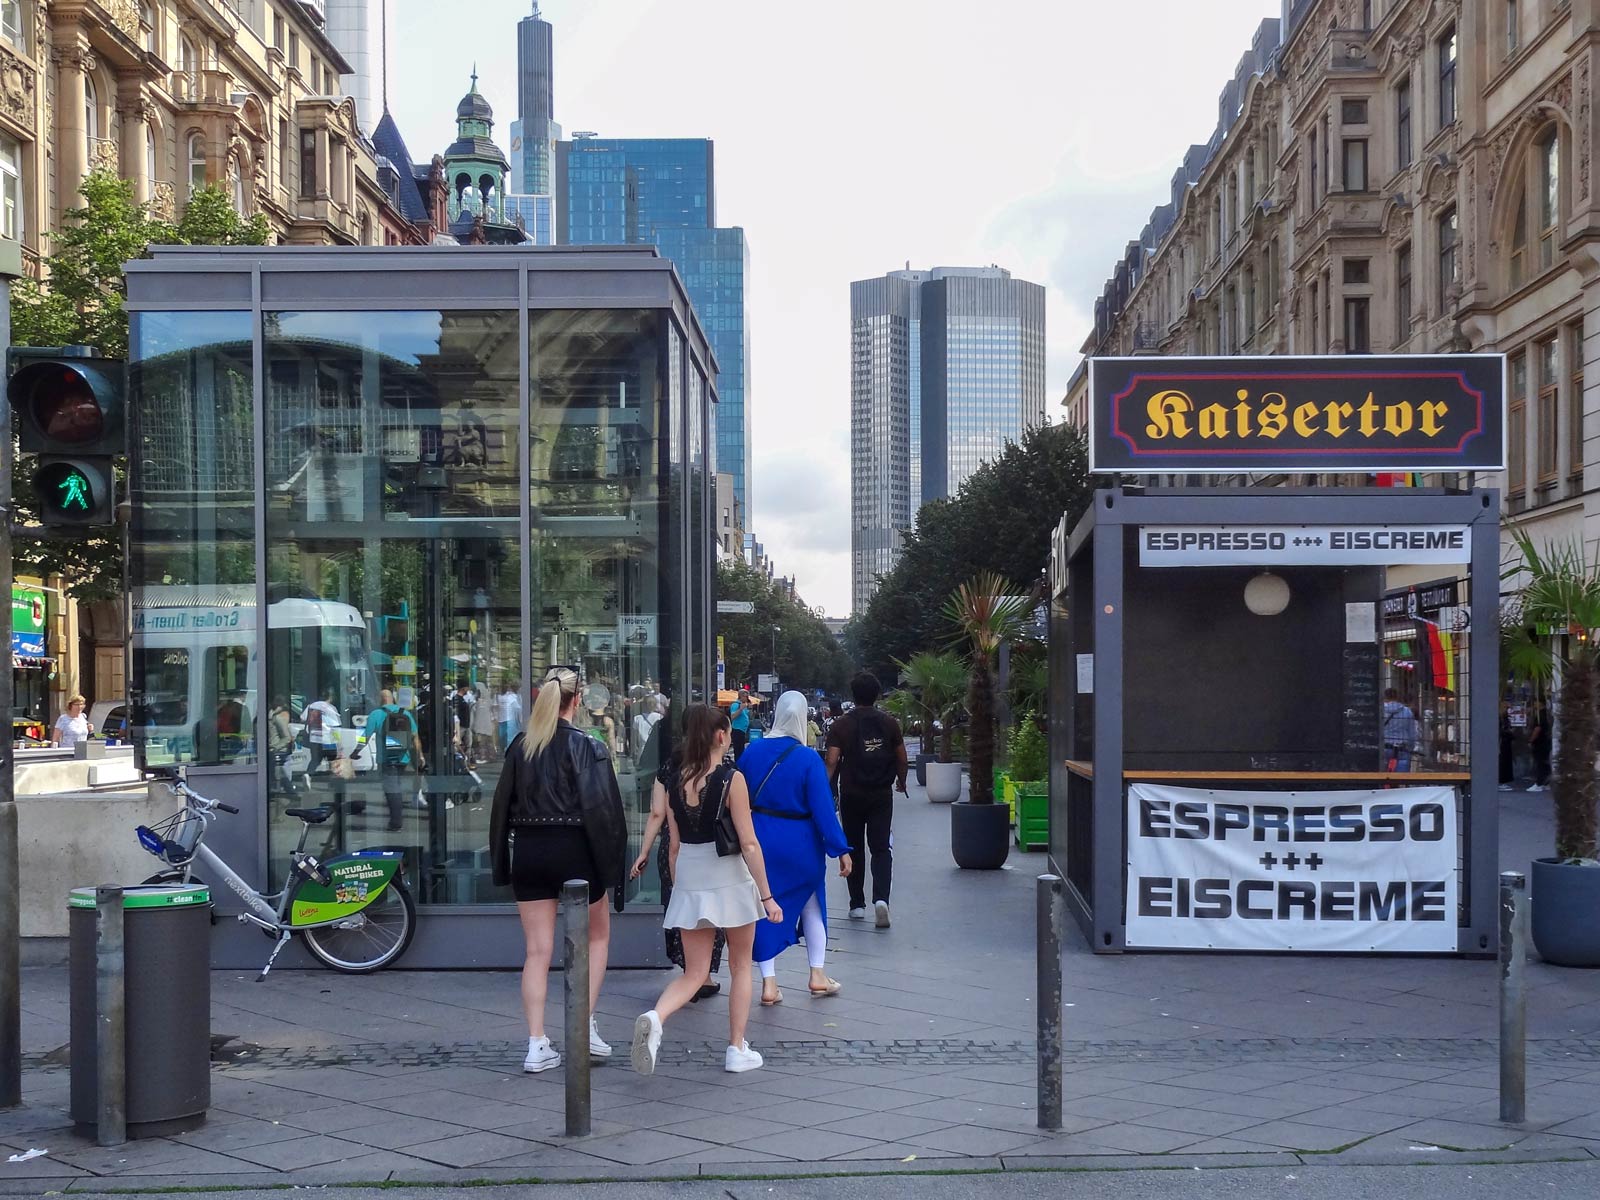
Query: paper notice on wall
(1361, 622)
(1085, 674)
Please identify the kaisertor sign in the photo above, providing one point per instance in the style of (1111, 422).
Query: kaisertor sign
(1441, 412)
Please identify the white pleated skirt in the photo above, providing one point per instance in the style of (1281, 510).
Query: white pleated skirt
(711, 892)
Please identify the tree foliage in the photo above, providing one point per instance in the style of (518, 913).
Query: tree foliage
(82, 303)
(809, 657)
(1000, 520)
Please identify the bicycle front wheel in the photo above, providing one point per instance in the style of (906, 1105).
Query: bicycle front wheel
(391, 922)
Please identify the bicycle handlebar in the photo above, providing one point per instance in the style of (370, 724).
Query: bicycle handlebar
(227, 808)
(179, 785)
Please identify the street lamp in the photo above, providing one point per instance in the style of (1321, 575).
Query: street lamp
(776, 630)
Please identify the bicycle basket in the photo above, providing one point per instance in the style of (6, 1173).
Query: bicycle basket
(173, 839)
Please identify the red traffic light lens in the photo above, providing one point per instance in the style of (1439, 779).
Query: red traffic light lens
(65, 408)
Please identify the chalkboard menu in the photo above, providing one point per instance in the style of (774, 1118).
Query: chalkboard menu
(1363, 707)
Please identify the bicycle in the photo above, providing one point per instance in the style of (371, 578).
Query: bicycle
(354, 911)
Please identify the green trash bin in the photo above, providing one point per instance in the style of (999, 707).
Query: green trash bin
(167, 984)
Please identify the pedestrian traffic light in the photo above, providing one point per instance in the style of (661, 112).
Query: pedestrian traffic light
(69, 412)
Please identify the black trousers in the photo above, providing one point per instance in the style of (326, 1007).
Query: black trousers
(867, 821)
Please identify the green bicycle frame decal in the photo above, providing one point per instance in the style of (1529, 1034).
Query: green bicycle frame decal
(357, 881)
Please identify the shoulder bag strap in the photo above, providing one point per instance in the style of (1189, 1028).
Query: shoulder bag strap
(770, 770)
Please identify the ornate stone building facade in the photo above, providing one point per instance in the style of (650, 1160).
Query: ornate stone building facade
(177, 94)
(1399, 175)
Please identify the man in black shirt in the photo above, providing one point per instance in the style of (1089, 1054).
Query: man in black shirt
(867, 755)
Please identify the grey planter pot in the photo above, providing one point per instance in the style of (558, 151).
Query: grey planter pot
(980, 835)
(944, 782)
(1566, 901)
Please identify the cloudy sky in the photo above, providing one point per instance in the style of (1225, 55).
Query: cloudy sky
(852, 138)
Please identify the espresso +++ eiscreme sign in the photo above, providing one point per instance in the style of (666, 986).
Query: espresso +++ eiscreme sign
(1155, 415)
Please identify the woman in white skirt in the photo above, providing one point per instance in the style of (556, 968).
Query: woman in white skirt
(709, 892)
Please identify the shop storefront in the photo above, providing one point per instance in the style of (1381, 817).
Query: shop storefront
(32, 668)
(419, 477)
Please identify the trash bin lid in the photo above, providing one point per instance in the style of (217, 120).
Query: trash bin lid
(148, 895)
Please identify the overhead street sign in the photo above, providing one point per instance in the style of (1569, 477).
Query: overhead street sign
(743, 607)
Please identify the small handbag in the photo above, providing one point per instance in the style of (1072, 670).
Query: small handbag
(723, 832)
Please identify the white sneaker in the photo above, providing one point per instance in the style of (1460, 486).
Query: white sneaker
(880, 909)
(597, 1046)
(541, 1056)
(858, 914)
(741, 1058)
(646, 1041)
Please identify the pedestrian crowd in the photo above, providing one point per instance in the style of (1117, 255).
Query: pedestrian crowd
(746, 827)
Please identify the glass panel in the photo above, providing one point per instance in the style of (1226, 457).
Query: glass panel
(698, 536)
(605, 595)
(191, 481)
(394, 573)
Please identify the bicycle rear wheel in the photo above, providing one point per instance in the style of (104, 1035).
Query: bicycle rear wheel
(391, 922)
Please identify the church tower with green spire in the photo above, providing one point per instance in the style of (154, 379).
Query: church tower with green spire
(476, 170)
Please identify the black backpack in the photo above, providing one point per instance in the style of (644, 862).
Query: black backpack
(875, 764)
(396, 725)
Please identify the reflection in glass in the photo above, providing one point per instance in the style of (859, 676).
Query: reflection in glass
(393, 517)
(603, 599)
(191, 480)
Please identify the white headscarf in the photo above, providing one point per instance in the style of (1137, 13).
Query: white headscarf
(790, 718)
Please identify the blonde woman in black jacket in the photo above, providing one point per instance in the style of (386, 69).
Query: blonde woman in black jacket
(557, 816)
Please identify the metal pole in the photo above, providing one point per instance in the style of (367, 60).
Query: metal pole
(110, 1019)
(10, 866)
(575, 975)
(1513, 997)
(1049, 915)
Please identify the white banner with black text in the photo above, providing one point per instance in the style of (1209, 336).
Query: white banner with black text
(1335, 871)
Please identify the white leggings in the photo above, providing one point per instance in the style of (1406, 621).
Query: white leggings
(816, 935)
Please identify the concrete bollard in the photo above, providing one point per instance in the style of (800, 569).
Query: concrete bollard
(110, 1018)
(575, 979)
(1049, 916)
(1513, 997)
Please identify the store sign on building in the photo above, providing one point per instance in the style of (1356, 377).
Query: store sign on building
(1152, 415)
(1302, 545)
(1428, 600)
(1324, 871)
(27, 621)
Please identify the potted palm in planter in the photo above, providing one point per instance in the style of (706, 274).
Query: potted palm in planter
(1561, 590)
(939, 680)
(986, 612)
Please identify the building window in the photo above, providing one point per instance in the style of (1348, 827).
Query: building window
(1355, 164)
(150, 156)
(1402, 125)
(277, 29)
(11, 210)
(314, 79)
(236, 186)
(1518, 269)
(1513, 31)
(12, 27)
(294, 50)
(1447, 258)
(1315, 338)
(308, 163)
(91, 113)
(147, 22)
(1353, 111)
(285, 151)
(1357, 270)
(1357, 323)
(1575, 396)
(1366, 14)
(197, 162)
(1249, 301)
(1312, 159)
(1517, 433)
(1402, 294)
(1545, 356)
(1446, 48)
(1549, 184)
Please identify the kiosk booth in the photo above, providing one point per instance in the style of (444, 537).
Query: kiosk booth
(1255, 746)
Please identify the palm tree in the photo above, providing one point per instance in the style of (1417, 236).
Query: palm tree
(987, 612)
(1561, 590)
(939, 681)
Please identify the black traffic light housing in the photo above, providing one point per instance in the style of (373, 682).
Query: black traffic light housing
(69, 410)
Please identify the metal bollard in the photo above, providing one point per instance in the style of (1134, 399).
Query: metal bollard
(1048, 918)
(1513, 997)
(575, 977)
(110, 1018)
(10, 960)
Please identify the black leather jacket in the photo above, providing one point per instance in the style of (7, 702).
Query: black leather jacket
(569, 782)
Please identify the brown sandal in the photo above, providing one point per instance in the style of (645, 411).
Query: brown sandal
(832, 989)
(778, 999)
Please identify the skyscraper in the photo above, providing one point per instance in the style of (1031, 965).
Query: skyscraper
(662, 192)
(534, 133)
(946, 367)
(358, 30)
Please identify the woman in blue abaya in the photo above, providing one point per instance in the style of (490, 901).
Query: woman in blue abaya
(791, 806)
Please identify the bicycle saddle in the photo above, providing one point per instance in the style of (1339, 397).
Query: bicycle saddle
(312, 816)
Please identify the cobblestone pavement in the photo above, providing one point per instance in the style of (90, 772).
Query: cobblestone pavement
(924, 1062)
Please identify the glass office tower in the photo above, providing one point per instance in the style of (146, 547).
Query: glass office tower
(947, 366)
(419, 478)
(534, 134)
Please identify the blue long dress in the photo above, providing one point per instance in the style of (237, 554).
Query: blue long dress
(796, 851)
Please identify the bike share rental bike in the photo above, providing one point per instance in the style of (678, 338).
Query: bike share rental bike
(354, 911)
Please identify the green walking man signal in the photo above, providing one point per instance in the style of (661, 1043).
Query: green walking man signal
(74, 489)
(68, 406)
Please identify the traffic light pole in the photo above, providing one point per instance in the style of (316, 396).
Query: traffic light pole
(10, 883)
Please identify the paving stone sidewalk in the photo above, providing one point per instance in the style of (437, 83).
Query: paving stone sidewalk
(925, 1061)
